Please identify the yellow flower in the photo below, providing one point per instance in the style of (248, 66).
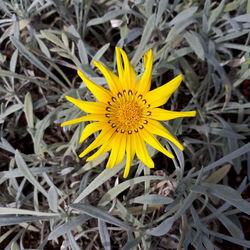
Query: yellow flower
(127, 114)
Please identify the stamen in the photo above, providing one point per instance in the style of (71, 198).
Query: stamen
(139, 96)
(113, 125)
(130, 92)
(117, 130)
(119, 94)
(124, 91)
(113, 99)
(141, 127)
(145, 122)
(108, 109)
(109, 103)
(149, 113)
(109, 121)
(122, 131)
(129, 132)
(144, 101)
(148, 106)
(136, 130)
(107, 115)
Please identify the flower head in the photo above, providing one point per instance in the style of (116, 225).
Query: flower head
(127, 115)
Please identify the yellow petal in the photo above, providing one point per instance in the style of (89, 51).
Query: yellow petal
(118, 150)
(89, 130)
(85, 118)
(141, 150)
(160, 96)
(152, 141)
(89, 107)
(129, 76)
(122, 146)
(156, 128)
(104, 136)
(165, 115)
(103, 149)
(144, 83)
(130, 154)
(111, 78)
(119, 62)
(101, 94)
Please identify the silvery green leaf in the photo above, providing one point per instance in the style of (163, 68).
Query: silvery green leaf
(111, 15)
(166, 225)
(227, 158)
(31, 57)
(40, 129)
(104, 234)
(183, 16)
(237, 46)
(100, 52)
(72, 241)
(132, 244)
(27, 173)
(53, 199)
(28, 110)
(35, 171)
(67, 226)
(15, 220)
(215, 14)
(194, 42)
(146, 35)
(163, 4)
(13, 61)
(43, 47)
(98, 181)
(100, 214)
(8, 210)
(242, 18)
(11, 109)
(241, 242)
(82, 52)
(225, 193)
(151, 199)
(115, 191)
(4, 144)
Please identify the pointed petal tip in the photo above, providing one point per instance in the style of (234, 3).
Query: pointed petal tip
(193, 114)
(151, 165)
(179, 77)
(79, 72)
(149, 53)
(63, 124)
(68, 98)
(81, 75)
(82, 154)
(117, 49)
(95, 62)
(171, 156)
(125, 174)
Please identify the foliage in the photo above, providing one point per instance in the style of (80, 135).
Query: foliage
(50, 195)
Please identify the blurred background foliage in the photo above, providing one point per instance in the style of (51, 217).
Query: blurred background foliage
(51, 199)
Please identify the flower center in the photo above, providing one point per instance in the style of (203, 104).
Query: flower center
(128, 112)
